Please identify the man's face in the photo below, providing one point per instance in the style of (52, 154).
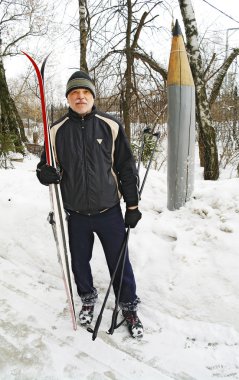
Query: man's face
(81, 100)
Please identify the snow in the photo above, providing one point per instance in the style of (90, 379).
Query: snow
(186, 266)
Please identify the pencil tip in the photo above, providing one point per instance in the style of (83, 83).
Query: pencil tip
(177, 30)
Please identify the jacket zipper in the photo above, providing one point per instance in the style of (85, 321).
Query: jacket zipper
(85, 166)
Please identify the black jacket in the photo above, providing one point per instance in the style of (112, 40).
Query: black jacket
(96, 161)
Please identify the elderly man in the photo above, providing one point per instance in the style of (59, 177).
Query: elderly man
(96, 167)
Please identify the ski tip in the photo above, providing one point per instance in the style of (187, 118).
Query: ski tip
(43, 65)
(23, 52)
(46, 58)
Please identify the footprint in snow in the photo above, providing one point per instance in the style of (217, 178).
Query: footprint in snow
(170, 238)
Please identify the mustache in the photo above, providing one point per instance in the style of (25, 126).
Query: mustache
(78, 101)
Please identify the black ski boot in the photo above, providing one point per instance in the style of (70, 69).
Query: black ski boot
(134, 324)
(86, 314)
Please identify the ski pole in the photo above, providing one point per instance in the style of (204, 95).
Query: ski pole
(157, 135)
(115, 312)
(99, 318)
(145, 131)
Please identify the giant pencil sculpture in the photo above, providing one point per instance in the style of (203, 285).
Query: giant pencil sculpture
(181, 124)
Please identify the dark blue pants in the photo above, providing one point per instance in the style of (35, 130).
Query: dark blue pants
(110, 228)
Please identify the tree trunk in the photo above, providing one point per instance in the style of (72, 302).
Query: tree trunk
(10, 121)
(128, 73)
(83, 36)
(207, 135)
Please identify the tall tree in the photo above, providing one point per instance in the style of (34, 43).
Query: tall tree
(84, 30)
(207, 135)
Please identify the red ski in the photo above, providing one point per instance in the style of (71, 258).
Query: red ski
(57, 217)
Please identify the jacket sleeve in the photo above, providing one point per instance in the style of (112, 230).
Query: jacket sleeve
(126, 169)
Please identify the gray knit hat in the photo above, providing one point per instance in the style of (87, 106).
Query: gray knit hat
(80, 79)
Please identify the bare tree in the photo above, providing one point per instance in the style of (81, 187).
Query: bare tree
(130, 19)
(18, 21)
(207, 135)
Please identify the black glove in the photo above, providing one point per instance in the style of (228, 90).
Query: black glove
(48, 175)
(132, 216)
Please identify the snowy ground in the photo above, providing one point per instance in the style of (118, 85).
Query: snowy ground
(186, 265)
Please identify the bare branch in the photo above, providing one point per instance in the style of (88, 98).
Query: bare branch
(103, 59)
(218, 81)
(139, 28)
(151, 62)
(210, 64)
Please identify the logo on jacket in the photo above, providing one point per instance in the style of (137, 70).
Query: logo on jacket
(99, 140)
